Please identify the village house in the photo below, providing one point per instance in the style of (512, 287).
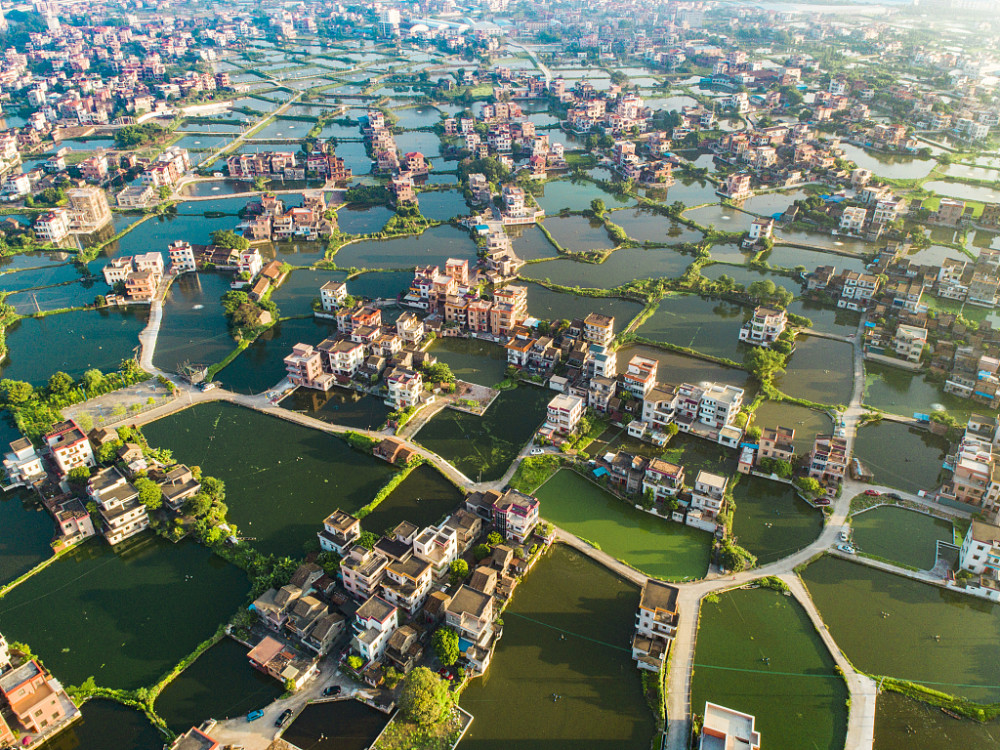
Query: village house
(764, 328)
(725, 728)
(655, 625)
(305, 368)
(35, 698)
(662, 479)
(404, 386)
(362, 571)
(828, 459)
(777, 443)
(709, 493)
(374, 622)
(332, 294)
(563, 414)
(23, 464)
(122, 515)
(909, 341)
(282, 663)
(177, 485)
(340, 530)
(438, 546)
(69, 447)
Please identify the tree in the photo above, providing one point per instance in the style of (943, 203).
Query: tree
(481, 551)
(368, 539)
(78, 476)
(763, 364)
(16, 392)
(424, 699)
(60, 383)
(439, 372)
(446, 646)
(229, 239)
(130, 369)
(92, 379)
(149, 493)
(494, 539)
(598, 207)
(106, 453)
(198, 505)
(355, 662)
(809, 485)
(459, 571)
(776, 466)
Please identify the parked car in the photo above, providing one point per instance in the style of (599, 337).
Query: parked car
(332, 690)
(285, 716)
(822, 501)
(537, 451)
(872, 493)
(844, 536)
(254, 715)
(848, 549)
(893, 496)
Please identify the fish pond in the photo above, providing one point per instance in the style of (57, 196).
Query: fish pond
(693, 322)
(423, 498)
(280, 489)
(771, 520)
(895, 626)
(434, 246)
(900, 535)
(563, 666)
(546, 304)
(903, 392)
(262, 364)
(900, 456)
(656, 546)
(74, 342)
(25, 533)
(107, 724)
(193, 328)
(483, 447)
(126, 615)
(905, 722)
(472, 360)
(620, 267)
(758, 652)
(820, 370)
(339, 406)
(220, 684)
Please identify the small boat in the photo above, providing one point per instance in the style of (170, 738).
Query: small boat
(254, 715)
(952, 714)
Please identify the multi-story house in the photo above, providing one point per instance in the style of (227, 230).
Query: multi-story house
(853, 220)
(655, 624)
(470, 613)
(362, 571)
(709, 493)
(828, 458)
(69, 446)
(719, 405)
(737, 186)
(343, 357)
(410, 328)
(600, 391)
(35, 698)
(764, 328)
(122, 515)
(980, 551)
(181, 257)
(777, 443)
(601, 362)
(563, 414)
(726, 728)
(659, 407)
(858, 290)
(515, 515)
(510, 309)
(305, 368)
(22, 464)
(407, 584)
(640, 377)
(437, 546)
(52, 226)
(404, 388)
(332, 294)
(599, 329)
(909, 341)
(340, 530)
(374, 622)
(663, 479)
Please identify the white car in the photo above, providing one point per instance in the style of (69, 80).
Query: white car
(537, 451)
(846, 548)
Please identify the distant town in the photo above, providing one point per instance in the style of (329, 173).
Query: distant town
(398, 377)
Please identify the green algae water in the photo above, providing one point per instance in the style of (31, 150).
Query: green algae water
(122, 616)
(891, 625)
(282, 479)
(656, 546)
(758, 652)
(567, 632)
